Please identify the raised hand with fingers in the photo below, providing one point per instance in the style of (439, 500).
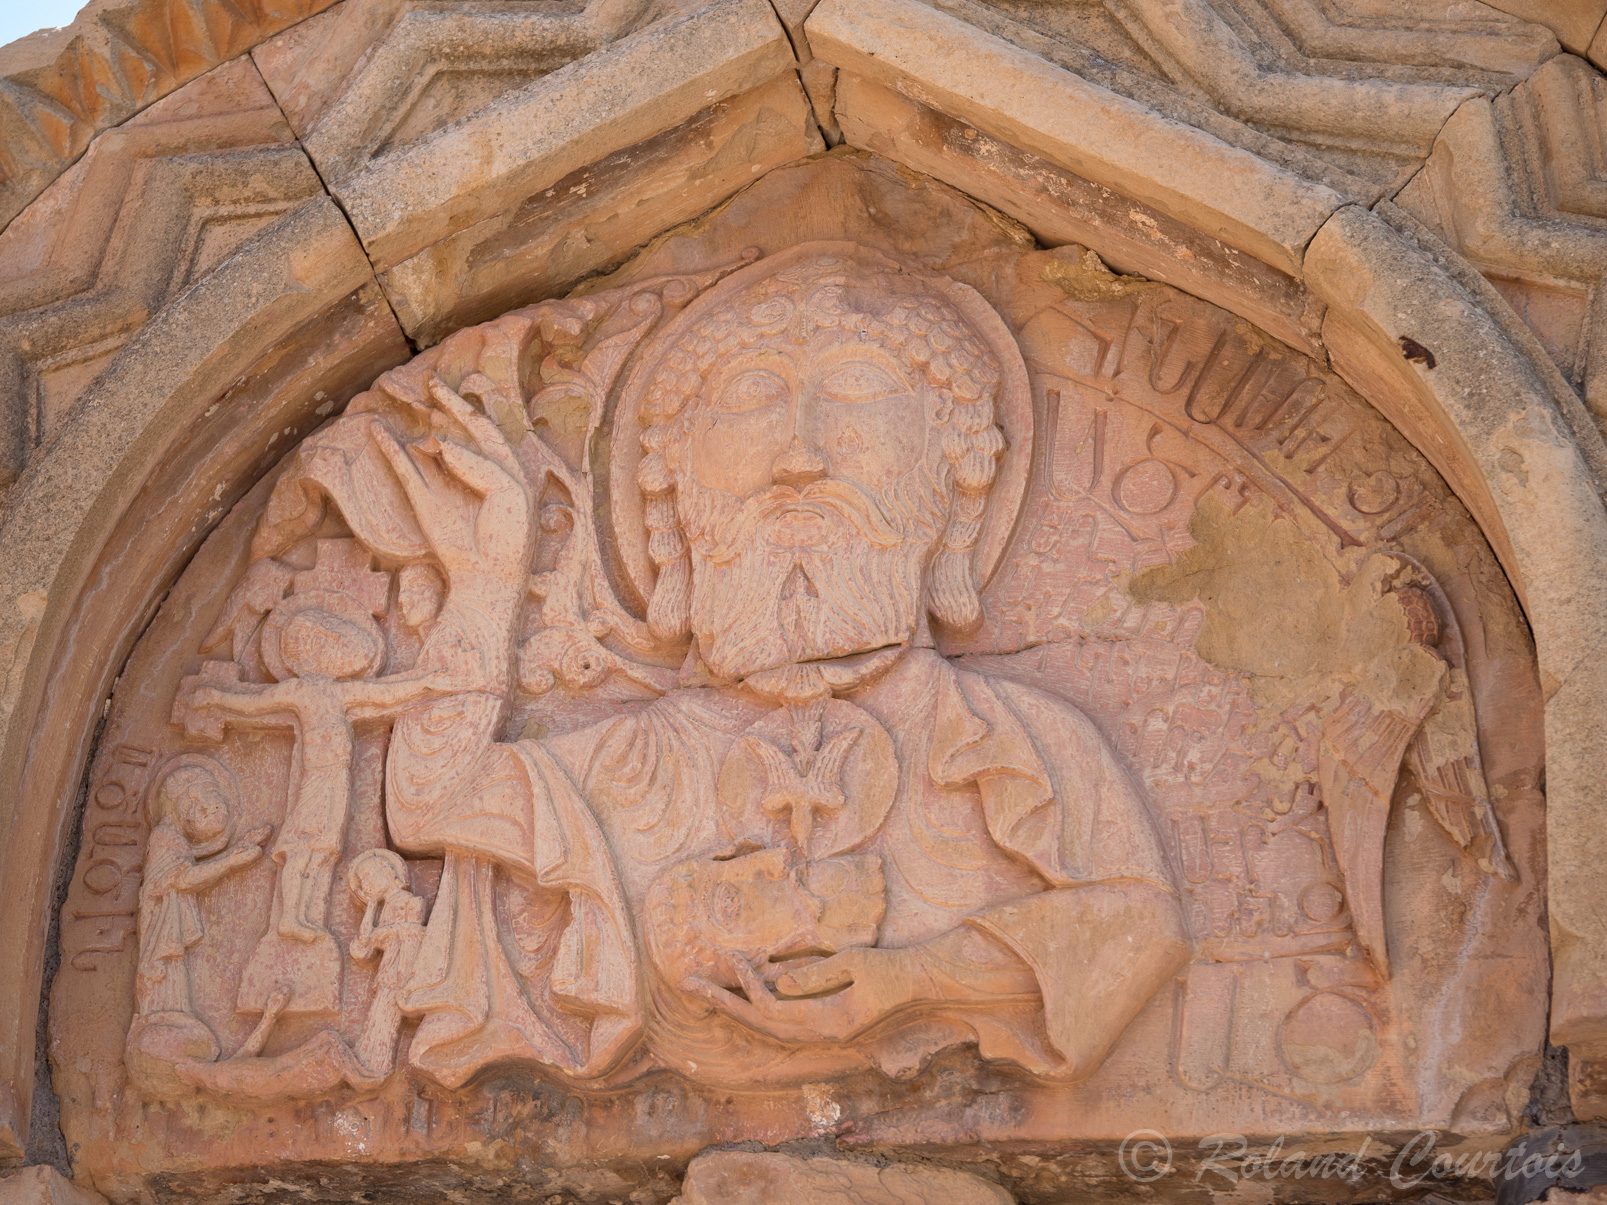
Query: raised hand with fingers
(486, 534)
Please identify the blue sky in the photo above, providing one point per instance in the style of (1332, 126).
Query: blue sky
(18, 17)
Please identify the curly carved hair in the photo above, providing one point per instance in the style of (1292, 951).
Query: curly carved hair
(920, 326)
(675, 925)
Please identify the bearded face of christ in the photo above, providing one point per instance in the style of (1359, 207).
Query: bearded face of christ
(812, 492)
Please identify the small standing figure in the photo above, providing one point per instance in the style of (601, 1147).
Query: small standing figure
(189, 851)
(393, 928)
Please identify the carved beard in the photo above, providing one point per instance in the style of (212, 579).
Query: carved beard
(807, 574)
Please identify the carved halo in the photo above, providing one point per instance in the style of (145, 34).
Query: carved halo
(352, 631)
(1012, 409)
(217, 771)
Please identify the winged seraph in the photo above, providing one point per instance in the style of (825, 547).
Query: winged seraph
(1412, 706)
(800, 795)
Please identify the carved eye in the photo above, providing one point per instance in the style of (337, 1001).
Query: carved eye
(861, 382)
(725, 908)
(751, 390)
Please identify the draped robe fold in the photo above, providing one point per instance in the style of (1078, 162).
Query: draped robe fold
(1008, 798)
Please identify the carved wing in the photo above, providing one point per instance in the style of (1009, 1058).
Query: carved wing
(1428, 723)
(1359, 760)
(1444, 758)
(779, 773)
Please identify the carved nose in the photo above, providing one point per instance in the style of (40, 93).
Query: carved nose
(798, 465)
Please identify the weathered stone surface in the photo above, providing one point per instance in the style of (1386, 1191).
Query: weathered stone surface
(1328, 112)
(1539, 494)
(530, 139)
(1103, 137)
(739, 1178)
(44, 1186)
(1517, 186)
(1317, 69)
(372, 76)
(1088, 600)
(869, 865)
(149, 210)
(1059, 207)
(1226, 67)
(1500, 402)
(1575, 22)
(594, 217)
(63, 86)
(176, 428)
(1093, 50)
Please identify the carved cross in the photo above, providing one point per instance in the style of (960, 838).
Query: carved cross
(344, 565)
(807, 781)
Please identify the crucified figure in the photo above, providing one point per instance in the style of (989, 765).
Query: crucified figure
(328, 650)
(320, 710)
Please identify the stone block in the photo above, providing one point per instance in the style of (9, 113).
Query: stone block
(1061, 207)
(764, 1178)
(1357, 95)
(1575, 22)
(373, 76)
(187, 303)
(1151, 477)
(150, 209)
(1577, 851)
(40, 1185)
(1103, 137)
(1424, 352)
(1367, 272)
(63, 86)
(1511, 185)
(579, 114)
(596, 216)
(820, 82)
(1329, 110)
(193, 410)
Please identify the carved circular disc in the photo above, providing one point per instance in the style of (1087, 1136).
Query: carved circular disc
(1328, 1038)
(322, 632)
(1012, 408)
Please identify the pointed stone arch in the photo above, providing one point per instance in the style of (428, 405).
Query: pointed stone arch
(192, 411)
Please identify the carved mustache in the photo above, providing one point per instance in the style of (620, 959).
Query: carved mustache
(832, 500)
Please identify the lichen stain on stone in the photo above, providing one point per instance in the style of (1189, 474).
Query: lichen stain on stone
(1277, 610)
(1082, 276)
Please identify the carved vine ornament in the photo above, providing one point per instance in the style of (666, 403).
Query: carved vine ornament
(593, 663)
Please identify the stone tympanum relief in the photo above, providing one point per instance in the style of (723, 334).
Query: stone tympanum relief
(803, 667)
(819, 846)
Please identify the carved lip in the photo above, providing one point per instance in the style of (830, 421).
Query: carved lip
(798, 527)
